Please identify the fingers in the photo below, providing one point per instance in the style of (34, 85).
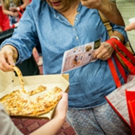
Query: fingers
(64, 100)
(4, 64)
(130, 26)
(62, 107)
(7, 57)
(104, 51)
(13, 9)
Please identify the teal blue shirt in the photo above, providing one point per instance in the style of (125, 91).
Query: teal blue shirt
(42, 24)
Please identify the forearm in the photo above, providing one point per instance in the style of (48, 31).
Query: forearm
(8, 12)
(53, 126)
(25, 3)
(5, 11)
(110, 11)
(119, 35)
(107, 8)
(50, 128)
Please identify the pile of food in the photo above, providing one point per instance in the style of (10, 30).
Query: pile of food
(22, 103)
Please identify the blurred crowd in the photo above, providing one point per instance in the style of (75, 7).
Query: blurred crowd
(10, 14)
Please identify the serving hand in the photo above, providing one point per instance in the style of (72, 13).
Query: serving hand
(8, 56)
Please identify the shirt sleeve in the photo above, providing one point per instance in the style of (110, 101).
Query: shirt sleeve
(121, 30)
(6, 124)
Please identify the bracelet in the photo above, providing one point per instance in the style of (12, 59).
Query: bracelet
(18, 8)
(115, 37)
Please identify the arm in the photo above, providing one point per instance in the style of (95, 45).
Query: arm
(19, 47)
(13, 11)
(105, 50)
(25, 3)
(8, 12)
(23, 6)
(52, 127)
(108, 8)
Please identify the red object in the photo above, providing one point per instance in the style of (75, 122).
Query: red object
(13, 26)
(21, 9)
(130, 96)
(4, 20)
(20, 14)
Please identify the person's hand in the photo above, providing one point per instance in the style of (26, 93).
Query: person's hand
(8, 56)
(54, 125)
(14, 9)
(14, 14)
(91, 3)
(130, 27)
(104, 52)
(62, 106)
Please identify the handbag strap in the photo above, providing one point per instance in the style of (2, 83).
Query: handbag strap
(20, 14)
(123, 49)
(118, 45)
(106, 23)
(120, 68)
(114, 73)
(127, 62)
(113, 70)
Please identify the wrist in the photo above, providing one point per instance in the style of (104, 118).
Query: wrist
(113, 42)
(115, 37)
(11, 13)
(20, 9)
(61, 119)
(14, 50)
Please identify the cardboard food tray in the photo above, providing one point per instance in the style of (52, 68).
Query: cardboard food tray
(9, 82)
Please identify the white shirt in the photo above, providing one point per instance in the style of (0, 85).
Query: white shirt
(7, 127)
